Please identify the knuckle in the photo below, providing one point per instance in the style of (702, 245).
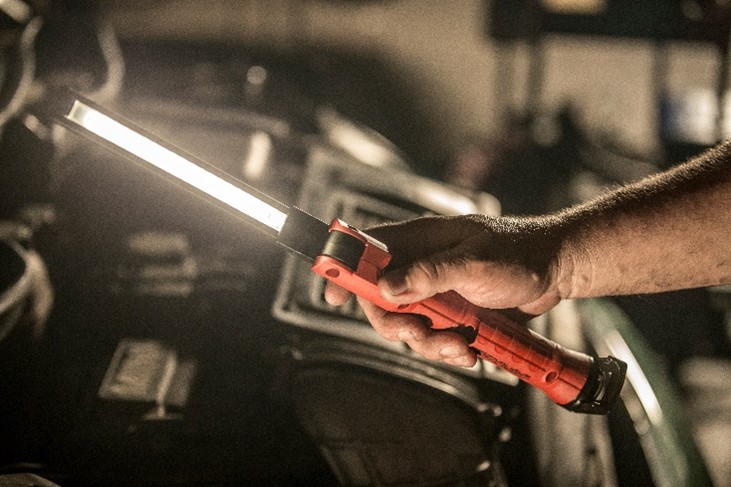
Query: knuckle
(427, 269)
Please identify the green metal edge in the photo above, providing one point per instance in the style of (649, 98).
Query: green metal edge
(671, 451)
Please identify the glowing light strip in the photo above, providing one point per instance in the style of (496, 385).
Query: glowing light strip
(136, 144)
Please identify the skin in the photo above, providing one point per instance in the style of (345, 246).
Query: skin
(667, 232)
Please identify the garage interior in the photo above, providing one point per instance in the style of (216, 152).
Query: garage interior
(148, 340)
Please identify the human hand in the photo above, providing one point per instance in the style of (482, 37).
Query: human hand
(497, 263)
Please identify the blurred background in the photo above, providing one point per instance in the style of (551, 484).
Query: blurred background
(146, 339)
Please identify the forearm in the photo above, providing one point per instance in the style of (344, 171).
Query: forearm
(668, 232)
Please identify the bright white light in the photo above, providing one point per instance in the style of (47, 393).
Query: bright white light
(175, 165)
(256, 159)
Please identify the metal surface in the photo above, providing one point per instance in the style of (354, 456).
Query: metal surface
(15, 286)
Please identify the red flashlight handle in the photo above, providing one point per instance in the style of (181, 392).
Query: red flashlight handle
(559, 373)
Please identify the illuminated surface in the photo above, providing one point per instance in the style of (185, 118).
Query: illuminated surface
(256, 160)
(585, 7)
(17, 10)
(175, 165)
(618, 347)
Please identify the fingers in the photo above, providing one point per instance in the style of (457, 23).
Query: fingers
(336, 295)
(449, 347)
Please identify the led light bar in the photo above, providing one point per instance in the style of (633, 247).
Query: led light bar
(234, 196)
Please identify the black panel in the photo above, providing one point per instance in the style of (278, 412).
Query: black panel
(648, 19)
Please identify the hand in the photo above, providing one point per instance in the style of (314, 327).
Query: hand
(495, 263)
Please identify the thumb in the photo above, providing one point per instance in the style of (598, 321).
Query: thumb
(422, 279)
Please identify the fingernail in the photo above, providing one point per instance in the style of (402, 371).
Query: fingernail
(450, 352)
(406, 336)
(396, 282)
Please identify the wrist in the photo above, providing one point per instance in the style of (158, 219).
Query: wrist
(563, 273)
(573, 274)
(543, 246)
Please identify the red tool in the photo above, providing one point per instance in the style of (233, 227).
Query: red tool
(355, 261)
